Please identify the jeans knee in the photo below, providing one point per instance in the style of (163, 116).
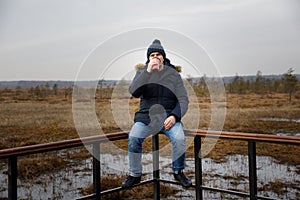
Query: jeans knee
(135, 144)
(178, 141)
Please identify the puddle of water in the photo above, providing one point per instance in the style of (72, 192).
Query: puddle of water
(277, 119)
(287, 134)
(231, 174)
(63, 184)
(277, 132)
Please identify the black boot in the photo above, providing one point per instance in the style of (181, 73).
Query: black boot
(182, 179)
(130, 181)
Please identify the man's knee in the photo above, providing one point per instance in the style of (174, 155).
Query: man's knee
(178, 134)
(135, 144)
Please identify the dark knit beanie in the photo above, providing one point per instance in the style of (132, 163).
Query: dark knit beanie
(156, 47)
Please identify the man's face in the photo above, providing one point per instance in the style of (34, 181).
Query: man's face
(156, 55)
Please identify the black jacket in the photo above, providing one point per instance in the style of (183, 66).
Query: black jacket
(163, 88)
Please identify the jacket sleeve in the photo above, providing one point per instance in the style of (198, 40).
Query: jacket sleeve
(138, 83)
(182, 104)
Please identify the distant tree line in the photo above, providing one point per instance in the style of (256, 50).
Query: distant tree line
(38, 92)
(260, 85)
(288, 83)
(44, 91)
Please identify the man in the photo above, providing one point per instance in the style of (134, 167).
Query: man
(163, 102)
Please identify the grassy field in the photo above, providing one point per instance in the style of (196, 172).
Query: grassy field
(28, 120)
(34, 121)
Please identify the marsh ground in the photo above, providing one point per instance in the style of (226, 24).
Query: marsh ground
(27, 121)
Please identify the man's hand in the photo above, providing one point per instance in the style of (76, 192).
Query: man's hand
(153, 64)
(169, 122)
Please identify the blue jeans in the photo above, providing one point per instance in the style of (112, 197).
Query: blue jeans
(140, 131)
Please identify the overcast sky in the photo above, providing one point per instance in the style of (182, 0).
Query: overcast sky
(50, 39)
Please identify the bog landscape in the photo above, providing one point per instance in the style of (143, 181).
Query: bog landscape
(36, 114)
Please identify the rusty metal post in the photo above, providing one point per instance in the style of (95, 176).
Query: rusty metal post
(96, 170)
(12, 178)
(155, 153)
(198, 167)
(252, 169)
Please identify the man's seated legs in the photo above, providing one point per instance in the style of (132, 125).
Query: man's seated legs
(136, 137)
(177, 139)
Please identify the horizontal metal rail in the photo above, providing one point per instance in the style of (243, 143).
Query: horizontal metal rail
(251, 139)
(257, 137)
(65, 144)
(13, 153)
(54, 146)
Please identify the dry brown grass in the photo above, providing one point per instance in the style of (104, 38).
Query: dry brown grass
(279, 187)
(42, 163)
(139, 192)
(34, 121)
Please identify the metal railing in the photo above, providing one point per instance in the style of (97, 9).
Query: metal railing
(251, 139)
(12, 155)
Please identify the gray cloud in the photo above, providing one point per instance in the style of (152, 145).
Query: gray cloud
(50, 39)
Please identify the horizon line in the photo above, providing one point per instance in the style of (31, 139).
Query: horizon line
(70, 80)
